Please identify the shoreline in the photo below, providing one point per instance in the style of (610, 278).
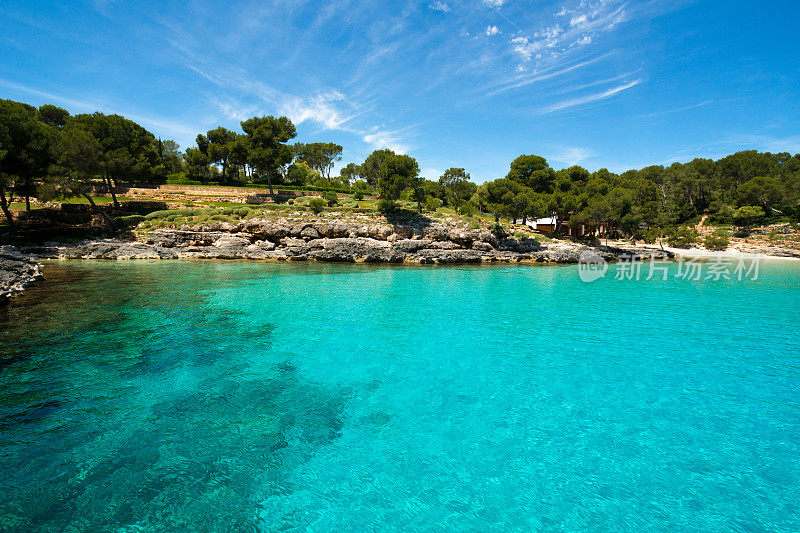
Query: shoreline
(730, 253)
(344, 243)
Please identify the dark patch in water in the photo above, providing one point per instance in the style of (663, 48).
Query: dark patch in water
(34, 413)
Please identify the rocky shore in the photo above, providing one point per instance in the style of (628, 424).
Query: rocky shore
(17, 272)
(340, 242)
(337, 242)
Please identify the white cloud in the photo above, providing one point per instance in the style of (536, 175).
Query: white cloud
(578, 20)
(430, 173)
(234, 109)
(592, 97)
(789, 144)
(572, 155)
(494, 3)
(386, 139)
(161, 125)
(438, 5)
(320, 108)
(554, 41)
(528, 48)
(492, 30)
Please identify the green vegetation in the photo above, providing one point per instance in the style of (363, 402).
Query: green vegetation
(48, 154)
(683, 237)
(317, 205)
(719, 240)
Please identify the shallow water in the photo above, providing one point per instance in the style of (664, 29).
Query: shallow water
(233, 396)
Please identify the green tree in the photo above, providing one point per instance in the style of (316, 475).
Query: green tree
(53, 116)
(24, 146)
(78, 159)
(219, 144)
(170, 155)
(459, 189)
(533, 172)
(350, 173)
(747, 215)
(371, 167)
(267, 148)
(396, 173)
(319, 156)
(300, 173)
(196, 163)
(765, 191)
(128, 152)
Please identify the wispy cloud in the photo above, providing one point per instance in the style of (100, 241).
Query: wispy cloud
(386, 139)
(162, 125)
(572, 155)
(439, 6)
(608, 93)
(677, 110)
(546, 74)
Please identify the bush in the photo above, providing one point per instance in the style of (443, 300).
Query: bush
(130, 221)
(358, 195)
(387, 206)
(331, 198)
(719, 240)
(317, 205)
(181, 178)
(432, 204)
(467, 209)
(683, 237)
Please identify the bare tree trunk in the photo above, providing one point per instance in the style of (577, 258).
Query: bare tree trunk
(4, 205)
(110, 189)
(269, 182)
(28, 194)
(108, 219)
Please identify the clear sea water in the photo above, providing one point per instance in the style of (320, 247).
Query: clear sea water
(234, 396)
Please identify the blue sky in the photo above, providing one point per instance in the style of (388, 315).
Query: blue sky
(601, 83)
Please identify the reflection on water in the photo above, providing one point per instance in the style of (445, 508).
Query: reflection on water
(244, 396)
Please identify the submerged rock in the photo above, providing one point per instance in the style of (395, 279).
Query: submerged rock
(17, 272)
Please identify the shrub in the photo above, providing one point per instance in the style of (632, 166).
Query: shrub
(498, 230)
(467, 209)
(130, 221)
(387, 206)
(683, 237)
(180, 178)
(719, 240)
(317, 205)
(330, 198)
(358, 195)
(432, 204)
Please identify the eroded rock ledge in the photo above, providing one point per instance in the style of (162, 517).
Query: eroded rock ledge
(17, 272)
(335, 242)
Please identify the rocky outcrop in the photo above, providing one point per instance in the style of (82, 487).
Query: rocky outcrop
(336, 242)
(309, 242)
(17, 272)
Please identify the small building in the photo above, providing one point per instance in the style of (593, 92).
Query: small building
(546, 225)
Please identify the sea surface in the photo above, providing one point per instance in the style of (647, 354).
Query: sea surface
(235, 396)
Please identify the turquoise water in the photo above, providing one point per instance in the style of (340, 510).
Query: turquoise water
(232, 396)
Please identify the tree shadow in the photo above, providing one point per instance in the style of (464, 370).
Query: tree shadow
(407, 218)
